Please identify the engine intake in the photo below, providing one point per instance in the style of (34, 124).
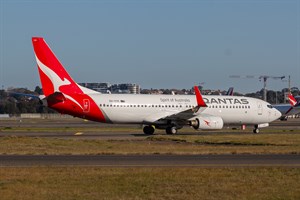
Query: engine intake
(207, 123)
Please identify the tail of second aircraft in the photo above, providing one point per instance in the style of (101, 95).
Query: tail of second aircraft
(230, 92)
(61, 92)
(293, 101)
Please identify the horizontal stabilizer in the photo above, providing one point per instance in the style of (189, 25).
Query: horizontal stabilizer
(56, 97)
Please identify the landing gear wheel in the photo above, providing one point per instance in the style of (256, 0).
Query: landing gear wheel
(171, 130)
(256, 130)
(148, 130)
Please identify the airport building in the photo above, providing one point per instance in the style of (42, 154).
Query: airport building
(99, 87)
(123, 88)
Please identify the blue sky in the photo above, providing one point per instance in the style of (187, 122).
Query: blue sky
(157, 44)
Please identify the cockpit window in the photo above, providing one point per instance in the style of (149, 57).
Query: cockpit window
(270, 106)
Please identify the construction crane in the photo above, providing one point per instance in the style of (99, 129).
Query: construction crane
(261, 78)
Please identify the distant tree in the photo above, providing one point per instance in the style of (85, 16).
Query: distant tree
(10, 107)
(280, 97)
(3, 94)
(295, 89)
(38, 90)
(271, 97)
(166, 91)
(2, 107)
(145, 91)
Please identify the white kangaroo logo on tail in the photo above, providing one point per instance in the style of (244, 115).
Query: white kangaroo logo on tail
(56, 80)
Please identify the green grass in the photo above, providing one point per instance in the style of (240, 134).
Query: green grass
(201, 144)
(287, 139)
(149, 183)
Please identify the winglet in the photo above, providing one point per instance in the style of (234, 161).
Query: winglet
(200, 101)
(292, 100)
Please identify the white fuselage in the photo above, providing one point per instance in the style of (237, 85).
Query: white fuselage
(139, 109)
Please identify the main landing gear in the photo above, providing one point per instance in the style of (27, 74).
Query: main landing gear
(148, 130)
(171, 130)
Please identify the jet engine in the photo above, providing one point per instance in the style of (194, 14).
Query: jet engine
(207, 123)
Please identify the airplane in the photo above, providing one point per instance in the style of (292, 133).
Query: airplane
(293, 108)
(230, 92)
(169, 112)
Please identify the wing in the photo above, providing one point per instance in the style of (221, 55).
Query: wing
(174, 115)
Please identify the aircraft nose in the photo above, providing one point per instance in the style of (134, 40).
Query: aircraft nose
(277, 114)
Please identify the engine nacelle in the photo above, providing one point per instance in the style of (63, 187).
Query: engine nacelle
(207, 123)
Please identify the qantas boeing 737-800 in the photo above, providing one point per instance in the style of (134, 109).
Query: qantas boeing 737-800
(169, 112)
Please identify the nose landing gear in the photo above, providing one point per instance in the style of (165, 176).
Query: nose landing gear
(255, 130)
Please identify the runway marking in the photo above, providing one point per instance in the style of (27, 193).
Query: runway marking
(78, 133)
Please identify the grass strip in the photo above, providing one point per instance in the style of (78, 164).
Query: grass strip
(66, 183)
(209, 144)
